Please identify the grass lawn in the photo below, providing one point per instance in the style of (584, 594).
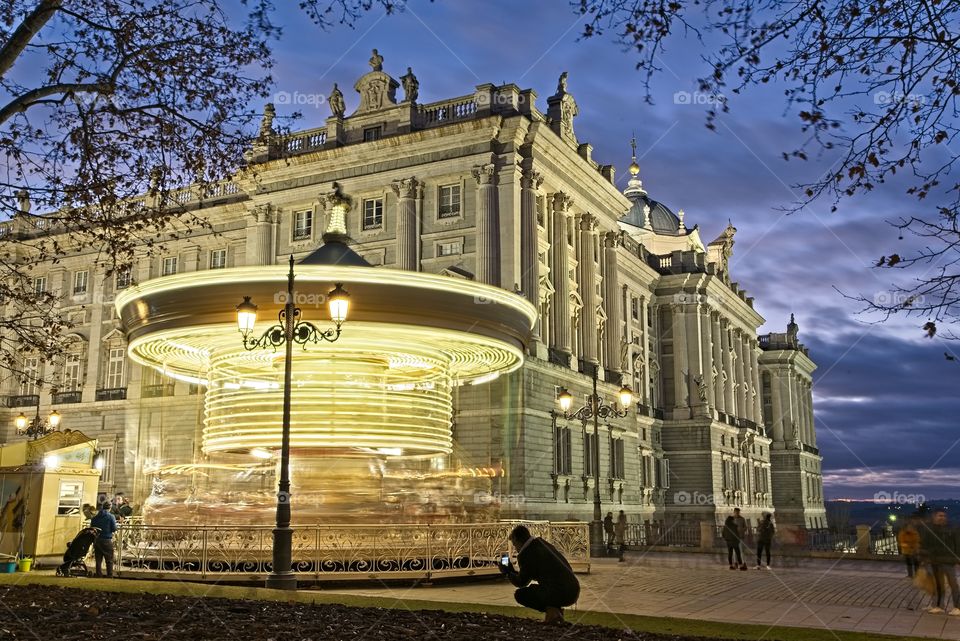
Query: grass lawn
(659, 625)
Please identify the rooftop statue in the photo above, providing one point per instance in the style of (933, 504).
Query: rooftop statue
(376, 61)
(411, 86)
(337, 106)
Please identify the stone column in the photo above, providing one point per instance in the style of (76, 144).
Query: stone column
(694, 352)
(725, 348)
(588, 289)
(264, 235)
(559, 272)
(705, 328)
(681, 387)
(530, 181)
(740, 374)
(748, 404)
(647, 385)
(405, 190)
(757, 388)
(488, 232)
(786, 406)
(718, 387)
(612, 294)
(777, 402)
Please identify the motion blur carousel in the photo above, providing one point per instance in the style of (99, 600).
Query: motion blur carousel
(373, 488)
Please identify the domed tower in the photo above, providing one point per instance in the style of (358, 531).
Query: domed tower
(652, 223)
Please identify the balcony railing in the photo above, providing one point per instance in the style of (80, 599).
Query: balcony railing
(156, 391)
(337, 552)
(112, 394)
(64, 398)
(24, 400)
(811, 449)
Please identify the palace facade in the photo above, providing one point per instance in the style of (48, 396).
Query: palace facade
(487, 187)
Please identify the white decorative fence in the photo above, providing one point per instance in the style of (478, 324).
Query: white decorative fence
(336, 552)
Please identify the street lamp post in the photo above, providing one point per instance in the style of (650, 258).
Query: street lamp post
(596, 409)
(36, 427)
(291, 329)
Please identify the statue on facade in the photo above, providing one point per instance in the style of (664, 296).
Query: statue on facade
(23, 201)
(337, 105)
(266, 123)
(701, 388)
(562, 84)
(411, 86)
(376, 61)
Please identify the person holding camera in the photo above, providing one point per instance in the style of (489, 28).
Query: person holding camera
(556, 585)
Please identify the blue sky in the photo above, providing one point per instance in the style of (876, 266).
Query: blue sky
(885, 396)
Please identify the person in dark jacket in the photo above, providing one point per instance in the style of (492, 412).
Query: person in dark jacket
(556, 585)
(103, 546)
(608, 530)
(731, 536)
(765, 532)
(940, 547)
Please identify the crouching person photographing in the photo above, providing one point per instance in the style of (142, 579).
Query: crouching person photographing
(556, 586)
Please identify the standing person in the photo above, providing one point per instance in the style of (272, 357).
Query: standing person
(103, 546)
(557, 586)
(909, 540)
(765, 532)
(940, 548)
(620, 531)
(742, 534)
(731, 537)
(608, 530)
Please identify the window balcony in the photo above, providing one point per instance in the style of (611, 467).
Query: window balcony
(24, 400)
(64, 398)
(112, 394)
(157, 391)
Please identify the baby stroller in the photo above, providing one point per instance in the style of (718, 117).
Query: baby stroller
(73, 564)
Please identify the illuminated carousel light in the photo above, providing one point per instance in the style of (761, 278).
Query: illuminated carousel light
(385, 388)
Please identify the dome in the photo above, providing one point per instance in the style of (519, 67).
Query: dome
(662, 220)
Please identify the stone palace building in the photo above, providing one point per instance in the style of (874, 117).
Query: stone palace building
(484, 186)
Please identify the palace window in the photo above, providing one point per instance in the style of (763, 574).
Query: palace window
(107, 456)
(449, 249)
(169, 266)
(663, 472)
(123, 279)
(449, 201)
(616, 458)
(31, 374)
(80, 280)
(372, 133)
(302, 224)
(40, 284)
(218, 259)
(635, 307)
(562, 455)
(541, 213)
(115, 363)
(589, 445)
(373, 213)
(71, 373)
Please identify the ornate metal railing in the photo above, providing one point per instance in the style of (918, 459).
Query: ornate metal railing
(63, 398)
(337, 551)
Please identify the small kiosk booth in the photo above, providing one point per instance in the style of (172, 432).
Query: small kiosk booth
(44, 485)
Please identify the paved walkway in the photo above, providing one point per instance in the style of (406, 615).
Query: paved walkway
(831, 594)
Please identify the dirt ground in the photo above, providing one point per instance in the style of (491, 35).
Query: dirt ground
(42, 613)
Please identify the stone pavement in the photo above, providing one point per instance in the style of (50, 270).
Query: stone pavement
(863, 596)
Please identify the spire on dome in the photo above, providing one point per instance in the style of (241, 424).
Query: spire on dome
(634, 185)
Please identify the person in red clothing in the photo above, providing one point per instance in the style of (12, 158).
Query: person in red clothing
(556, 585)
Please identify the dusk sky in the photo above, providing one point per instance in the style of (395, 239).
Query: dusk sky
(884, 396)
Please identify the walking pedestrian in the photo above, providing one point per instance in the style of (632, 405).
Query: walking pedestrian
(765, 532)
(620, 531)
(609, 531)
(742, 536)
(939, 546)
(731, 537)
(103, 545)
(909, 539)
